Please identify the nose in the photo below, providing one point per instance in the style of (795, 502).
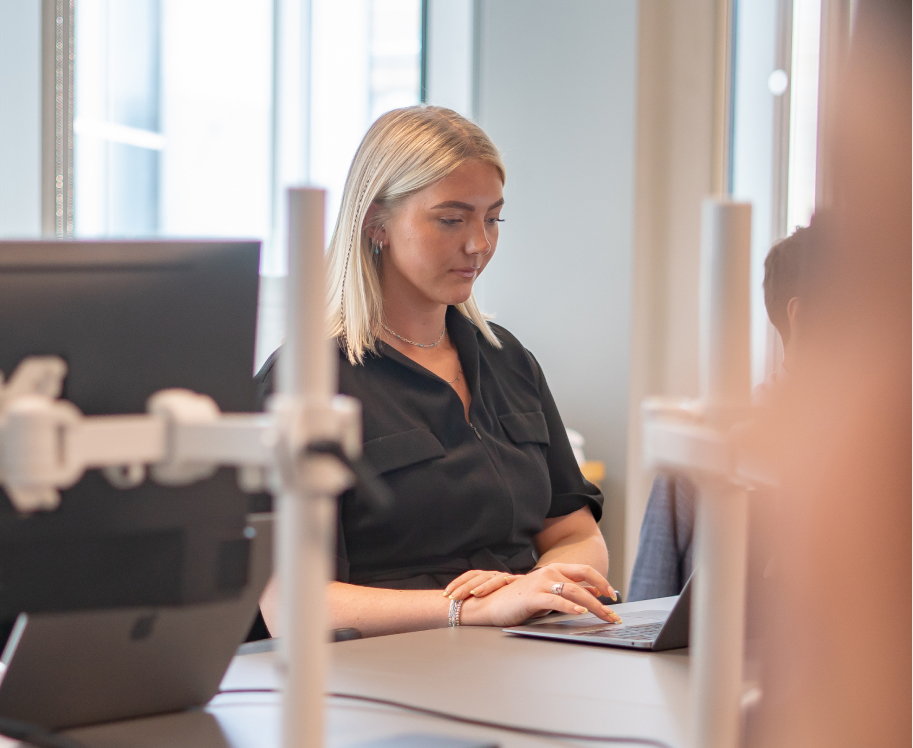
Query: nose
(478, 242)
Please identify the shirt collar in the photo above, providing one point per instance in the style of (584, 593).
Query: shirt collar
(463, 333)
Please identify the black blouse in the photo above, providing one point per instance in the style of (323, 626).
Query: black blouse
(466, 495)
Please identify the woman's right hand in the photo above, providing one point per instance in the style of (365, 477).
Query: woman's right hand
(531, 594)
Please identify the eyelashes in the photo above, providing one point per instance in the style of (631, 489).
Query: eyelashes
(455, 221)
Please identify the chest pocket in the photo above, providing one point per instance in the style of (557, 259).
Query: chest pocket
(526, 428)
(387, 453)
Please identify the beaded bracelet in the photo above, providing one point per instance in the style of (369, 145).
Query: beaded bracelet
(454, 617)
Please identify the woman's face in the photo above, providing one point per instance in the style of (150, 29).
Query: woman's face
(440, 239)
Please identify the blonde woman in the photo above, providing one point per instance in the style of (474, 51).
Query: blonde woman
(493, 522)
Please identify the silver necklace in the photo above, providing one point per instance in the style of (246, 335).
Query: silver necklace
(456, 378)
(412, 342)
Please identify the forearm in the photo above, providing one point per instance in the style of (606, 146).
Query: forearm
(579, 548)
(372, 611)
(376, 612)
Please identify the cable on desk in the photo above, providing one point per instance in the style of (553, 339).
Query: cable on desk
(553, 734)
(34, 735)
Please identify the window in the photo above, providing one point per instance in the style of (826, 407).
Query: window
(803, 111)
(193, 116)
(175, 118)
(172, 118)
(775, 136)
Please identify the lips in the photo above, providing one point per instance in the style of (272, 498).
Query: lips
(467, 272)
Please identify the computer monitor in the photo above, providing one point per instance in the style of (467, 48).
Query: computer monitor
(130, 318)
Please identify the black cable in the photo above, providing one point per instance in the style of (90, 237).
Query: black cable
(35, 735)
(553, 734)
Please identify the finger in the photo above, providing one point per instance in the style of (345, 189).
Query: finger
(596, 593)
(462, 579)
(575, 594)
(547, 601)
(465, 589)
(584, 573)
(490, 585)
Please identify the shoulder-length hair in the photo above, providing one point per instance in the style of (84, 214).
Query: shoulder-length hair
(404, 151)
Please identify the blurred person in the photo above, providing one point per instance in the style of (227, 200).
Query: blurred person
(830, 675)
(783, 270)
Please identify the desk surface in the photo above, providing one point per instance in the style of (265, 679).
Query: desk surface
(475, 672)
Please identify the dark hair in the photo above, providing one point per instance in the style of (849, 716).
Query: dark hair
(783, 277)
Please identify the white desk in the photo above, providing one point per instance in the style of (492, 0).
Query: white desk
(476, 672)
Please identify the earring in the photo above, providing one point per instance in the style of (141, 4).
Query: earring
(377, 247)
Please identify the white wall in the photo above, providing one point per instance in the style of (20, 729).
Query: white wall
(20, 118)
(450, 55)
(554, 86)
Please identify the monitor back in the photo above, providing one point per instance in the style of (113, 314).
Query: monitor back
(130, 318)
(86, 667)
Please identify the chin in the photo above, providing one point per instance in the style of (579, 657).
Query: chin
(460, 298)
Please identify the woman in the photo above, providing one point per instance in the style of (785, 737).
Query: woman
(490, 507)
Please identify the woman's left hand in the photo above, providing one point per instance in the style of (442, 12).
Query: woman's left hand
(477, 583)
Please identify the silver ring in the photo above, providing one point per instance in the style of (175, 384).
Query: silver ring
(557, 588)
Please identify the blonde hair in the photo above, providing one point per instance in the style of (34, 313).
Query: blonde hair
(404, 151)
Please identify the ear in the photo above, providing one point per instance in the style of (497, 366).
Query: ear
(376, 232)
(793, 311)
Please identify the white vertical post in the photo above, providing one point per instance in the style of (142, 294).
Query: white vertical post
(725, 360)
(718, 613)
(307, 377)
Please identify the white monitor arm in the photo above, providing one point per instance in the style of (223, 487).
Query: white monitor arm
(47, 444)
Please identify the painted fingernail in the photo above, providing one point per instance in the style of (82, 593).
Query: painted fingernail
(452, 597)
(446, 593)
(614, 596)
(472, 592)
(580, 609)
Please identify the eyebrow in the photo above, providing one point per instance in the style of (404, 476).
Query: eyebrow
(466, 206)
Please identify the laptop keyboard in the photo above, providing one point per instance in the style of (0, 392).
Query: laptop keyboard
(641, 631)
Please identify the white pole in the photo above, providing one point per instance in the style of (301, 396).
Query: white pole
(718, 613)
(725, 356)
(307, 376)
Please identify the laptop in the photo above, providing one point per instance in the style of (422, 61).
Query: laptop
(655, 630)
(78, 668)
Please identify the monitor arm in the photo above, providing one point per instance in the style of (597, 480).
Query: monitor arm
(47, 444)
